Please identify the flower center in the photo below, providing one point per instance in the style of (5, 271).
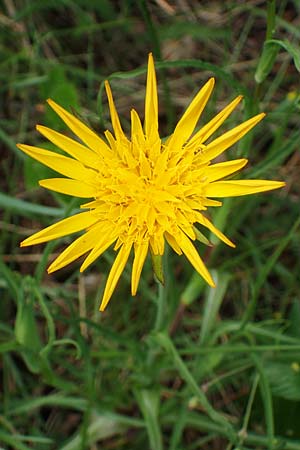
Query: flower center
(146, 194)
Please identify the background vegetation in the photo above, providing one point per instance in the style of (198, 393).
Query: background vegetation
(215, 369)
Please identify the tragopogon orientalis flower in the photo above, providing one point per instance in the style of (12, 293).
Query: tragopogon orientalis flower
(144, 192)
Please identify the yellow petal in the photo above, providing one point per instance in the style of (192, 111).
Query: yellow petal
(113, 114)
(73, 148)
(103, 241)
(207, 130)
(161, 165)
(223, 169)
(157, 244)
(115, 273)
(222, 143)
(62, 228)
(192, 255)
(151, 103)
(185, 225)
(137, 132)
(79, 247)
(140, 253)
(210, 202)
(112, 141)
(144, 167)
(173, 243)
(187, 123)
(69, 187)
(62, 164)
(206, 223)
(240, 187)
(84, 133)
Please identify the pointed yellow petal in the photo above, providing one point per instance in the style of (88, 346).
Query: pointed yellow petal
(240, 187)
(115, 273)
(173, 243)
(136, 128)
(206, 223)
(111, 140)
(151, 103)
(113, 114)
(187, 123)
(157, 244)
(79, 247)
(144, 166)
(222, 143)
(192, 255)
(161, 163)
(207, 130)
(62, 228)
(210, 202)
(73, 148)
(84, 133)
(185, 225)
(69, 187)
(140, 253)
(222, 170)
(62, 164)
(103, 241)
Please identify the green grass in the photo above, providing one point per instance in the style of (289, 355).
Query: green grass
(183, 367)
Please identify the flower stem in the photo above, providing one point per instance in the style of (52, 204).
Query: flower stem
(160, 321)
(160, 307)
(271, 19)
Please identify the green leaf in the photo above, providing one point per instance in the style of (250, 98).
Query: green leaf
(57, 400)
(13, 440)
(266, 395)
(193, 289)
(27, 209)
(269, 53)
(99, 428)
(149, 400)
(266, 61)
(292, 49)
(164, 341)
(26, 330)
(212, 304)
(284, 378)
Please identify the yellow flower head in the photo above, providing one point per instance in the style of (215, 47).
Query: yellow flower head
(144, 192)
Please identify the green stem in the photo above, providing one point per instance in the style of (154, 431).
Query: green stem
(160, 307)
(160, 321)
(271, 19)
(243, 431)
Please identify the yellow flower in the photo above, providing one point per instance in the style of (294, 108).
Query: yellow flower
(144, 192)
